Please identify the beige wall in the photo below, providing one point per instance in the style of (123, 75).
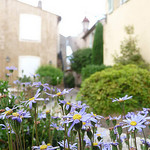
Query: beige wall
(133, 12)
(9, 35)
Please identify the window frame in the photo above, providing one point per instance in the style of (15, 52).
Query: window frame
(29, 38)
(123, 1)
(110, 6)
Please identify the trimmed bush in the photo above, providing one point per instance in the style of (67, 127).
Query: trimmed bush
(116, 82)
(49, 74)
(80, 59)
(69, 80)
(91, 69)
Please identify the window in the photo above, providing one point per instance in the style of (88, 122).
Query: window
(122, 1)
(30, 28)
(25, 62)
(110, 6)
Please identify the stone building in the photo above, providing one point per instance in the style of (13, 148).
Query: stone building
(28, 37)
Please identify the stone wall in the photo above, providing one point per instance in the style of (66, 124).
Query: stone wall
(13, 47)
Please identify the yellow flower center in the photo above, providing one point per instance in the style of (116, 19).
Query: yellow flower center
(120, 100)
(133, 123)
(31, 98)
(58, 94)
(77, 116)
(94, 115)
(8, 112)
(21, 117)
(99, 134)
(68, 103)
(47, 111)
(83, 123)
(15, 114)
(95, 144)
(48, 144)
(43, 147)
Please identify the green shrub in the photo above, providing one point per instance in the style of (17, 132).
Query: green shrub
(50, 74)
(90, 69)
(69, 80)
(80, 59)
(116, 82)
(97, 51)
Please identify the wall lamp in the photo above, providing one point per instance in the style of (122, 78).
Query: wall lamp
(7, 59)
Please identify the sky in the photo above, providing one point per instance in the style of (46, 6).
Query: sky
(72, 13)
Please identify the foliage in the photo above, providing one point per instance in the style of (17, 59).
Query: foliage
(97, 51)
(69, 80)
(130, 52)
(91, 69)
(80, 59)
(5, 99)
(25, 79)
(26, 125)
(117, 81)
(50, 74)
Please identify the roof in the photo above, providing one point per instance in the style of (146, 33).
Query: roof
(85, 20)
(59, 17)
(91, 29)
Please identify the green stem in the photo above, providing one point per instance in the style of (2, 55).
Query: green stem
(36, 130)
(33, 133)
(135, 140)
(17, 140)
(145, 139)
(23, 138)
(10, 138)
(49, 132)
(93, 134)
(65, 137)
(123, 108)
(79, 135)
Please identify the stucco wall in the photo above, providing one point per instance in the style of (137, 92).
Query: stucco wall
(11, 46)
(133, 12)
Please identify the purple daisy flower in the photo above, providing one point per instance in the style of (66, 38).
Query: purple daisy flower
(16, 82)
(73, 146)
(11, 69)
(34, 75)
(135, 122)
(35, 99)
(122, 98)
(8, 127)
(106, 146)
(59, 93)
(76, 118)
(20, 115)
(54, 125)
(114, 118)
(41, 116)
(44, 147)
(7, 113)
(145, 142)
(100, 134)
(45, 86)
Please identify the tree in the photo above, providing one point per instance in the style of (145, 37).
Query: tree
(130, 52)
(80, 59)
(97, 52)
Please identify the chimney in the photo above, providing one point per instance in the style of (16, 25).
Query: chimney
(40, 4)
(85, 24)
